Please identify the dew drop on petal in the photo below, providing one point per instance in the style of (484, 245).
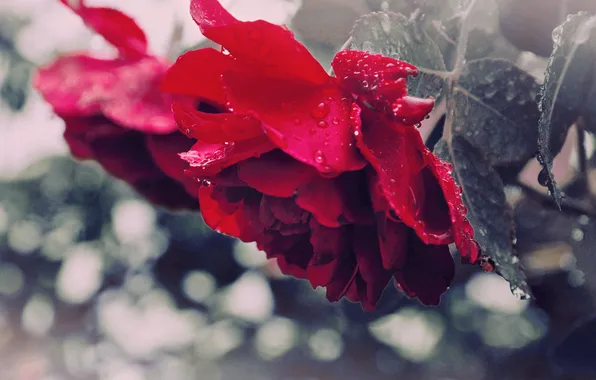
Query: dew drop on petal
(312, 131)
(322, 124)
(320, 157)
(320, 111)
(297, 121)
(335, 121)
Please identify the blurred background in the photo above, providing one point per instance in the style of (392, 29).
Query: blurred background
(95, 283)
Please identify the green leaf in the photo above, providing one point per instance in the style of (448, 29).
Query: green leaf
(495, 110)
(488, 212)
(569, 77)
(394, 35)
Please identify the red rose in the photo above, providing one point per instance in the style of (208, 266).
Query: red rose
(115, 113)
(327, 174)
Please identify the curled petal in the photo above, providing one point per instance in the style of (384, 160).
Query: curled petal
(398, 160)
(363, 72)
(207, 160)
(214, 128)
(310, 123)
(197, 73)
(267, 47)
(116, 27)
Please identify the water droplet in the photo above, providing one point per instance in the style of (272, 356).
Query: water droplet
(189, 132)
(205, 182)
(543, 178)
(335, 121)
(322, 124)
(320, 111)
(312, 131)
(320, 157)
(297, 121)
(356, 133)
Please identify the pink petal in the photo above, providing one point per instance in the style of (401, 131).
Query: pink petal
(124, 91)
(308, 122)
(116, 27)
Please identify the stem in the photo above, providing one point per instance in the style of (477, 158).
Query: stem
(567, 204)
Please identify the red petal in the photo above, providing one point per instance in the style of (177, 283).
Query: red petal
(310, 123)
(207, 160)
(393, 242)
(80, 132)
(428, 272)
(462, 230)
(382, 82)
(116, 27)
(197, 73)
(323, 199)
(275, 174)
(394, 152)
(293, 252)
(214, 128)
(165, 150)
(239, 219)
(364, 73)
(370, 266)
(269, 48)
(329, 244)
(125, 92)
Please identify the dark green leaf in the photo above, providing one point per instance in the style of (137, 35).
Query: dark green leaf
(567, 83)
(496, 110)
(394, 35)
(488, 212)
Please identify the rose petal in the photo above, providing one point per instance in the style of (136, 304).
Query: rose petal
(329, 245)
(125, 92)
(116, 27)
(323, 199)
(214, 128)
(275, 173)
(310, 123)
(207, 160)
(370, 266)
(293, 253)
(428, 272)
(239, 219)
(393, 242)
(397, 157)
(80, 132)
(165, 150)
(197, 73)
(267, 47)
(462, 230)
